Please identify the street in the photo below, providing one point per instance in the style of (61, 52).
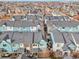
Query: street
(23, 56)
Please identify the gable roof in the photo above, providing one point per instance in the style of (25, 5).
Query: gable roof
(23, 37)
(57, 36)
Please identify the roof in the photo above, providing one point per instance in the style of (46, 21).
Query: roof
(76, 17)
(2, 22)
(57, 36)
(64, 37)
(9, 23)
(17, 17)
(28, 17)
(58, 18)
(65, 48)
(24, 23)
(23, 37)
(17, 23)
(63, 23)
(67, 37)
(38, 36)
(76, 37)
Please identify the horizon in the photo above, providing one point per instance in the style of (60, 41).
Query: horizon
(40, 0)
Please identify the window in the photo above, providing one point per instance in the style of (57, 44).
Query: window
(3, 50)
(13, 45)
(34, 44)
(4, 45)
(58, 45)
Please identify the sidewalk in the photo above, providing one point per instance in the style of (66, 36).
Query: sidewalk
(43, 58)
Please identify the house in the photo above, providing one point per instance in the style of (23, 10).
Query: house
(11, 44)
(8, 46)
(26, 39)
(62, 41)
(20, 26)
(57, 40)
(69, 29)
(76, 40)
(18, 17)
(52, 25)
(39, 47)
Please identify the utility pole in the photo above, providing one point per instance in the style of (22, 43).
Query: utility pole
(33, 32)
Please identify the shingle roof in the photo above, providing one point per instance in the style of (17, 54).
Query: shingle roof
(62, 23)
(20, 23)
(23, 37)
(9, 23)
(17, 23)
(57, 36)
(76, 37)
(58, 18)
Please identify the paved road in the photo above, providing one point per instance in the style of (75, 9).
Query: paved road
(67, 57)
(4, 58)
(25, 57)
(44, 58)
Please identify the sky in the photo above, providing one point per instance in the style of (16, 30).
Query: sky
(42, 0)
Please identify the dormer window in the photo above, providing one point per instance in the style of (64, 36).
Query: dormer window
(34, 44)
(5, 24)
(63, 27)
(4, 45)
